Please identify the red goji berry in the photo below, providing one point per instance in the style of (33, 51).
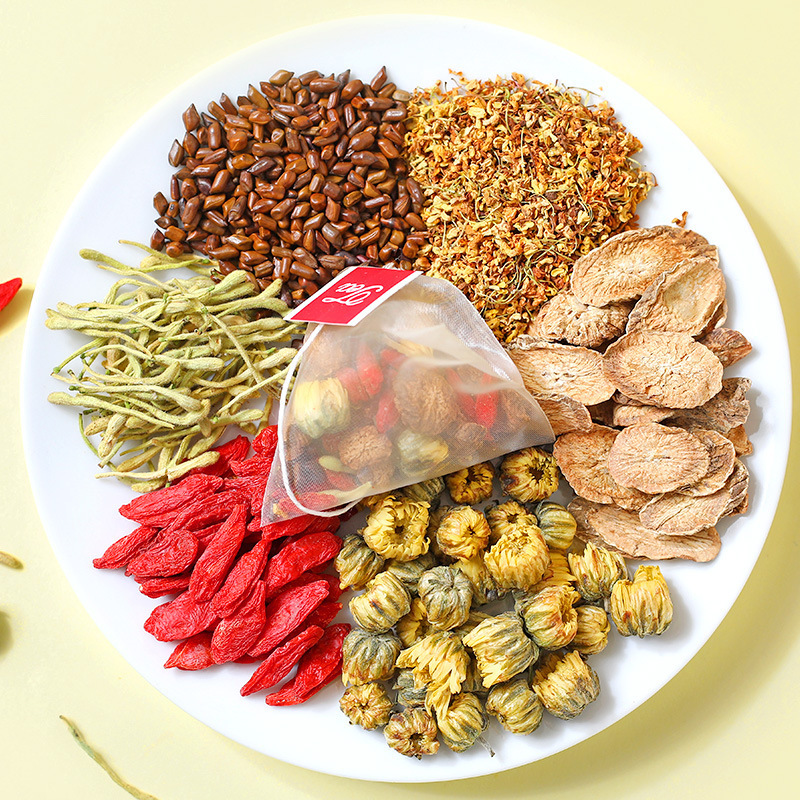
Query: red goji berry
(204, 511)
(320, 665)
(334, 591)
(205, 535)
(180, 618)
(287, 527)
(193, 654)
(241, 579)
(310, 550)
(387, 415)
(251, 487)
(158, 587)
(213, 566)
(234, 635)
(324, 613)
(7, 291)
(280, 662)
(356, 392)
(390, 357)
(369, 371)
(265, 442)
(286, 612)
(234, 450)
(486, 404)
(171, 553)
(157, 507)
(121, 552)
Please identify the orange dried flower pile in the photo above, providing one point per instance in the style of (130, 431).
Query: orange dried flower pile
(520, 179)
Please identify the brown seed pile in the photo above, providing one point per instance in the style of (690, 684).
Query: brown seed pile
(296, 180)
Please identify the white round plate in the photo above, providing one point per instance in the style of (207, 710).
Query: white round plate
(80, 512)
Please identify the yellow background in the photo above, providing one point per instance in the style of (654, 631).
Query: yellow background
(74, 77)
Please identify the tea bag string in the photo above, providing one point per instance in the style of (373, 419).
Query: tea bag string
(282, 435)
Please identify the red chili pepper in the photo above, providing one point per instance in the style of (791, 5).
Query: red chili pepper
(213, 566)
(280, 662)
(171, 553)
(324, 613)
(241, 579)
(180, 618)
(265, 442)
(127, 548)
(321, 664)
(356, 391)
(387, 415)
(286, 612)
(8, 290)
(194, 653)
(234, 635)
(369, 371)
(308, 551)
(157, 507)
(234, 450)
(159, 587)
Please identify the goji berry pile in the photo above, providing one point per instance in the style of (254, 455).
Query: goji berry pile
(242, 592)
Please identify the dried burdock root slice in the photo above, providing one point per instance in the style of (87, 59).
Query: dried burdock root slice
(728, 345)
(621, 531)
(626, 264)
(564, 318)
(582, 457)
(741, 443)
(654, 458)
(684, 299)
(663, 369)
(626, 415)
(564, 413)
(548, 369)
(728, 408)
(722, 456)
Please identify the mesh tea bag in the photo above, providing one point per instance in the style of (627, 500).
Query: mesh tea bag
(417, 389)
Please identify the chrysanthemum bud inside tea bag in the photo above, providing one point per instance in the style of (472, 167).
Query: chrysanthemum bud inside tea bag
(398, 380)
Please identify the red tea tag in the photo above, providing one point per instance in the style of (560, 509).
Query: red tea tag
(351, 295)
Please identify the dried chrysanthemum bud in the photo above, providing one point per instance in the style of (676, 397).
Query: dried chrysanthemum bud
(507, 517)
(463, 532)
(516, 706)
(419, 454)
(447, 595)
(440, 662)
(320, 407)
(557, 573)
(484, 589)
(641, 607)
(565, 684)
(428, 491)
(382, 603)
(368, 657)
(408, 693)
(409, 572)
(475, 618)
(472, 484)
(597, 570)
(367, 705)
(529, 474)
(558, 526)
(434, 521)
(518, 560)
(548, 616)
(414, 625)
(592, 634)
(397, 527)
(424, 398)
(412, 732)
(356, 563)
(364, 447)
(473, 682)
(501, 648)
(462, 722)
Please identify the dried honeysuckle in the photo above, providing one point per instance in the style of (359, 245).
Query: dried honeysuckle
(463, 532)
(397, 527)
(501, 648)
(384, 601)
(472, 484)
(462, 722)
(367, 705)
(565, 684)
(415, 625)
(558, 526)
(549, 617)
(591, 635)
(528, 475)
(516, 706)
(597, 570)
(409, 572)
(447, 595)
(506, 517)
(518, 560)
(641, 607)
(412, 732)
(368, 657)
(356, 563)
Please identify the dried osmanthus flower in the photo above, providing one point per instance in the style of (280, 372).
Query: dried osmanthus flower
(472, 484)
(463, 532)
(641, 607)
(427, 491)
(592, 634)
(425, 400)
(440, 662)
(516, 706)
(462, 722)
(518, 560)
(549, 617)
(557, 525)
(384, 601)
(415, 625)
(368, 657)
(505, 517)
(565, 684)
(363, 448)
(320, 407)
(420, 453)
(397, 527)
(409, 572)
(367, 705)
(408, 693)
(597, 570)
(447, 595)
(356, 563)
(501, 648)
(412, 732)
(484, 588)
(529, 474)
